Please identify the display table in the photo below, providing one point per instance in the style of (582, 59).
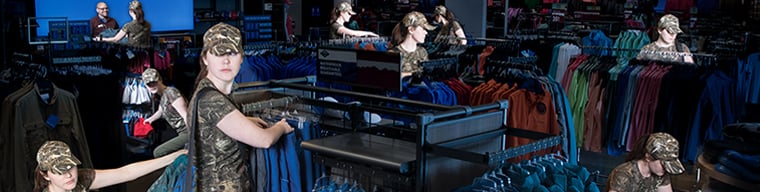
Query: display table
(706, 171)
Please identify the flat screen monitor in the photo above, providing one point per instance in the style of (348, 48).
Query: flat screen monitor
(164, 15)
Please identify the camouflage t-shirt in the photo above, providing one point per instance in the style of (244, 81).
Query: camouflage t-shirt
(448, 32)
(410, 61)
(218, 159)
(334, 31)
(657, 53)
(170, 113)
(627, 177)
(138, 34)
(84, 180)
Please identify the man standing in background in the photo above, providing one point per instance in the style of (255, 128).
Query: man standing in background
(102, 21)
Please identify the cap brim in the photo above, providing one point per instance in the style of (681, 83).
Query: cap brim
(675, 30)
(351, 12)
(428, 27)
(63, 165)
(223, 47)
(673, 167)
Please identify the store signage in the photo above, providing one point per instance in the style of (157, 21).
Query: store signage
(360, 68)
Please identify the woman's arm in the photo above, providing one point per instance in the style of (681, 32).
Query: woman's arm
(116, 38)
(239, 127)
(460, 34)
(355, 33)
(665, 188)
(180, 105)
(108, 177)
(155, 115)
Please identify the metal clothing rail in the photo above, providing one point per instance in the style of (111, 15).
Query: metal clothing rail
(463, 139)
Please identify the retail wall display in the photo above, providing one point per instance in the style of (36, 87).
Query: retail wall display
(178, 18)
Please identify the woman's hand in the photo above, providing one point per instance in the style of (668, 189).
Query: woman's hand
(370, 34)
(283, 124)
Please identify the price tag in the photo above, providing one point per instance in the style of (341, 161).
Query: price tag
(694, 10)
(628, 5)
(593, 8)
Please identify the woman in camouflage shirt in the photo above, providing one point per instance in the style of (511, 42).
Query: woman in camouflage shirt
(220, 125)
(172, 107)
(137, 30)
(648, 167)
(666, 48)
(406, 35)
(451, 31)
(57, 170)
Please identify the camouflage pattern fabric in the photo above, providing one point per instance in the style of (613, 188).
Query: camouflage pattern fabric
(56, 157)
(664, 147)
(627, 178)
(150, 75)
(170, 113)
(218, 159)
(666, 54)
(222, 39)
(334, 31)
(448, 33)
(410, 61)
(138, 34)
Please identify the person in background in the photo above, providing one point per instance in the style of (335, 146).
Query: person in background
(57, 170)
(649, 166)
(451, 31)
(137, 30)
(665, 46)
(340, 15)
(102, 21)
(219, 125)
(172, 107)
(406, 35)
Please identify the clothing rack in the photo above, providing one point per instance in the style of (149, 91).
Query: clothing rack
(356, 40)
(256, 106)
(438, 132)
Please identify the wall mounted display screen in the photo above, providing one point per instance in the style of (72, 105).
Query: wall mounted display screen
(163, 15)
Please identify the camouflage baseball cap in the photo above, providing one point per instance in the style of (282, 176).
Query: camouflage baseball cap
(415, 18)
(670, 23)
(56, 156)
(345, 6)
(439, 10)
(222, 39)
(135, 4)
(664, 147)
(150, 75)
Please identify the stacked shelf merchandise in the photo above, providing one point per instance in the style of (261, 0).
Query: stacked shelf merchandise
(258, 28)
(78, 32)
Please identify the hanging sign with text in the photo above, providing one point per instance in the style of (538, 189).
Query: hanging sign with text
(360, 68)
